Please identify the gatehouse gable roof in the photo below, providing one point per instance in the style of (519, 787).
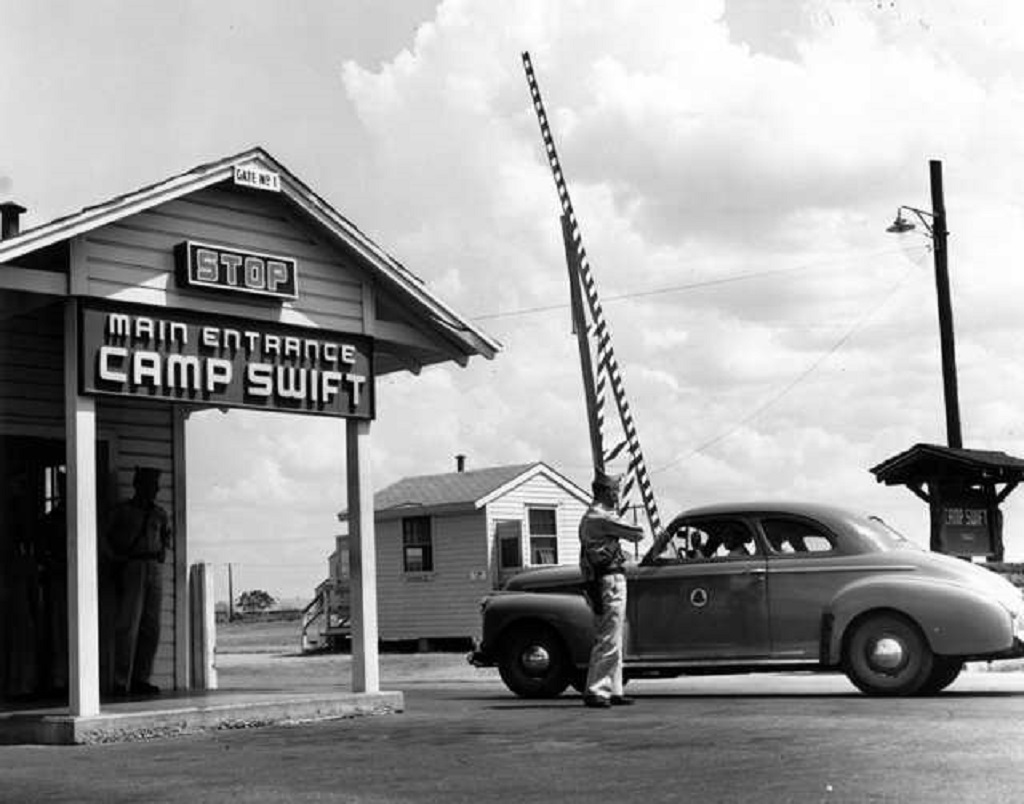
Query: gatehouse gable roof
(461, 337)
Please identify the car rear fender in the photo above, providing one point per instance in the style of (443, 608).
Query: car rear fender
(956, 620)
(568, 614)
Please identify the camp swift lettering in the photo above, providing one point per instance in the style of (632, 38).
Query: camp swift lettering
(187, 373)
(286, 382)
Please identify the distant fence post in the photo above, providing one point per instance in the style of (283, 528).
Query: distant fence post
(203, 629)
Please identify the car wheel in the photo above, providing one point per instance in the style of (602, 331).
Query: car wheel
(944, 672)
(887, 655)
(534, 664)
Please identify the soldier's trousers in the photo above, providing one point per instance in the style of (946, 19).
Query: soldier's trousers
(138, 593)
(604, 675)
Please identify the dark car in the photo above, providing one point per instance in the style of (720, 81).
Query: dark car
(765, 587)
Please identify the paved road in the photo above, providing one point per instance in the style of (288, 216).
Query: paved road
(736, 739)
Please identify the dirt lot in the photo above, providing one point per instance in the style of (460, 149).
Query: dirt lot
(253, 655)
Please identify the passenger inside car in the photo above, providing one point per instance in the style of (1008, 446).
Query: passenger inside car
(711, 540)
(726, 540)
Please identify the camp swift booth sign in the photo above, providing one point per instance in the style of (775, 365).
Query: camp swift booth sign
(180, 356)
(232, 285)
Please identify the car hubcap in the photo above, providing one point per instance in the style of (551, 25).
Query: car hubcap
(536, 660)
(887, 655)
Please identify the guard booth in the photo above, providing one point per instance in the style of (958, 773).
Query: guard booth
(231, 285)
(964, 489)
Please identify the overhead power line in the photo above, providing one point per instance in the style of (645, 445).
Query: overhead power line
(706, 283)
(859, 324)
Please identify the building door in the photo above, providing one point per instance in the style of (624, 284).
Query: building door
(33, 566)
(508, 538)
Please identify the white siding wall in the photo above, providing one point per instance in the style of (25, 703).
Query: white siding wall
(32, 372)
(438, 604)
(539, 491)
(445, 602)
(133, 259)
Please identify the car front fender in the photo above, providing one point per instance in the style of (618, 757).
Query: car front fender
(956, 620)
(568, 614)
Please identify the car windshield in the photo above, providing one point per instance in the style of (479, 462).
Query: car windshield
(881, 533)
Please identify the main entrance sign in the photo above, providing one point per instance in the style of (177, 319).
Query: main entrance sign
(177, 355)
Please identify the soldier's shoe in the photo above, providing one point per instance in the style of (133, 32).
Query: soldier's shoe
(145, 688)
(621, 700)
(596, 702)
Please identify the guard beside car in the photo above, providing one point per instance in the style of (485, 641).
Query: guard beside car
(602, 562)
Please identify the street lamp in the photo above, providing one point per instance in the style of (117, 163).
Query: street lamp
(934, 223)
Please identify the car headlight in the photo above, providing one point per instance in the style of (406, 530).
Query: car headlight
(1016, 610)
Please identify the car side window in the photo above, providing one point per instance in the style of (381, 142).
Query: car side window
(679, 548)
(710, 539)
(707, 539)
(796, 537)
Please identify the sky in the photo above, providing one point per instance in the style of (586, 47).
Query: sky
(733, 165)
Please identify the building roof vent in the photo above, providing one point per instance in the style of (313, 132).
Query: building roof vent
(10, 214)
(460, 463)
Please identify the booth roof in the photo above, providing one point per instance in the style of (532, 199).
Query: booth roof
(422, 494)
(924, 462)
(468, 339)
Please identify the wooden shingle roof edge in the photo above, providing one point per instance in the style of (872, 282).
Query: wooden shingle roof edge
(389, 270)
(921, 461)
(454, 492)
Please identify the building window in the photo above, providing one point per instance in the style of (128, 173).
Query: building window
(417, 546)
(543, 536)
(54, 487)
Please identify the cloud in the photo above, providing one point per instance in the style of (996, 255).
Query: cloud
(697, 154)
(733, 165)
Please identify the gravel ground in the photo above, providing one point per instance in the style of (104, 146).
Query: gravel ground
(258, 655)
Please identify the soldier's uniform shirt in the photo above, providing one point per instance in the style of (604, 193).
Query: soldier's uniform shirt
(138, 531)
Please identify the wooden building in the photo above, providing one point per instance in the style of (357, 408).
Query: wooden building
(230, 285)
(445, 540)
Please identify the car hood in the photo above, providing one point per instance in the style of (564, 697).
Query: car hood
(544, 579)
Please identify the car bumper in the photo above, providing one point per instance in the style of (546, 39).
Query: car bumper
(1016, 651)
(478, 657)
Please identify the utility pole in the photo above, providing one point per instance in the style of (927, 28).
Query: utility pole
(231, 594)
(949, 383)
(579, 328)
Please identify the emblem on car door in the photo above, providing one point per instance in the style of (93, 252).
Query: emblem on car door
(699, 597)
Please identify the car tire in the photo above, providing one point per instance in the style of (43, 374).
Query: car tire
(944, 672)
(886, 654)
(533, 663)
